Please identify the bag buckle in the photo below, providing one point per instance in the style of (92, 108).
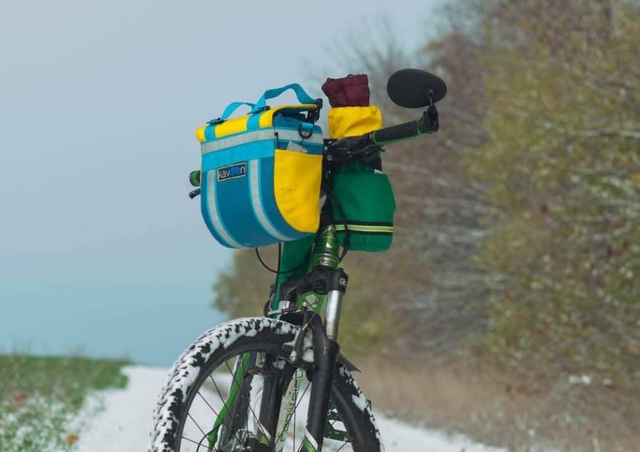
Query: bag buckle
(255, 111)
(305, 130)
(314, 115)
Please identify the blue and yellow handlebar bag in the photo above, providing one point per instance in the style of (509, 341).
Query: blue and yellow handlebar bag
(261, 173)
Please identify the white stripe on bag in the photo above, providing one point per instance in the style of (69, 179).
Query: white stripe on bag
(213, 212)
(260, 135)
(258, 208)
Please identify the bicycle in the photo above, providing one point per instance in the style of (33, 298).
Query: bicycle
(263, 361)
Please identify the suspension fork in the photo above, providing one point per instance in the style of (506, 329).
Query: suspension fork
(333, 283)
(325, 358)
(329, 282)
(326, 351)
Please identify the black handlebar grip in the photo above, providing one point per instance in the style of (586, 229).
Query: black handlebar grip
(392, 134)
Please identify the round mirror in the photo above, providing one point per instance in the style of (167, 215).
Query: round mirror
(411, 88)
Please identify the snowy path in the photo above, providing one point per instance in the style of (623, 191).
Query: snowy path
(124, 424)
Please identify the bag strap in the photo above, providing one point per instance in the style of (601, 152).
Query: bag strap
(301, 94)
(233, 106)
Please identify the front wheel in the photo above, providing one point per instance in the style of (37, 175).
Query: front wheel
(235, 389)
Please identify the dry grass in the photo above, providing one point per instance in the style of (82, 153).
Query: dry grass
(497, 409)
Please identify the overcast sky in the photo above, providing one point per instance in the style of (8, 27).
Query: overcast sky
(99, 101)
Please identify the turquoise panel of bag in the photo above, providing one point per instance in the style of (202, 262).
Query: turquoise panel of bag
(261, 172)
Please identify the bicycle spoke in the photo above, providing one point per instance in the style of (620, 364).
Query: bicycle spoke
(194, 421)
(344, 442)
(301, 397)
(208, 404)
(256, 418)
(224, 402)
(294, 415)
(191, 441)
(294, 427)
(199, 444)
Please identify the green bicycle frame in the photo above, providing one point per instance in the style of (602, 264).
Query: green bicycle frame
(325, 252)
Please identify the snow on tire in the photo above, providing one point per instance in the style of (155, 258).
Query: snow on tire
(213, 344)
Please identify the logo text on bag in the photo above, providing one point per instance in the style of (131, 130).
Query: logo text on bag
(232, 171)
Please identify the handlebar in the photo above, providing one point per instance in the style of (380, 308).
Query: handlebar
(427, 124)
(362, 146)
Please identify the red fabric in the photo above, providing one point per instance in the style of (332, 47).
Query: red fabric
(349, 91)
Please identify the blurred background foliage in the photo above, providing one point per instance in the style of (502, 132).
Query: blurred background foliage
(518, 224)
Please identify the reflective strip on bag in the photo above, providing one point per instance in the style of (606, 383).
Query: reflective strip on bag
(259, 135)
(366, 229)
(258, 207)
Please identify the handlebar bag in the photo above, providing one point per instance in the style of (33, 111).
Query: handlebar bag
(364, 206)
(261, 173)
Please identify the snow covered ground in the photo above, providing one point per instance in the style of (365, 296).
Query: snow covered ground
(124, 424)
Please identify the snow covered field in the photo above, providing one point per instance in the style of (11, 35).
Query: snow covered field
(124, 424)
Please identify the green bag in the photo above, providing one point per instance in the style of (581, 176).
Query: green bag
(364, 206)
